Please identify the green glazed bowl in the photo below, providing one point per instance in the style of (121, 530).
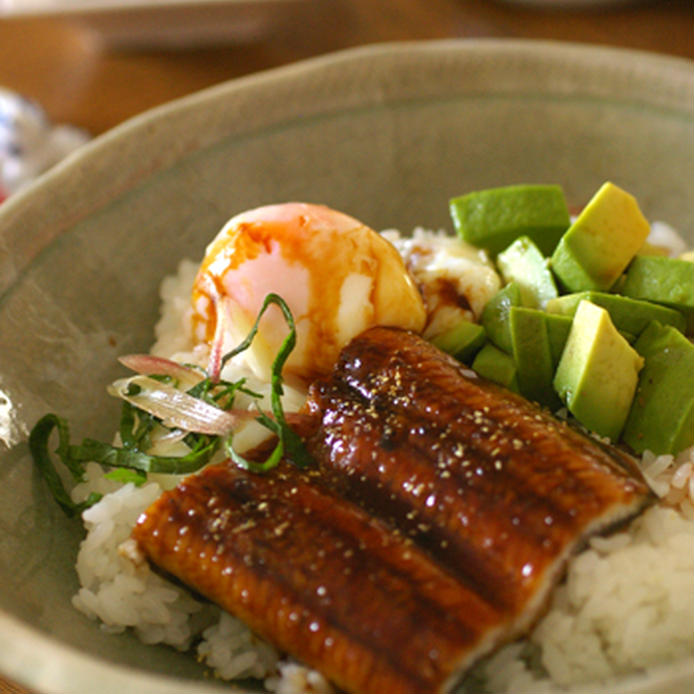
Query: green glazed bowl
(385, 133)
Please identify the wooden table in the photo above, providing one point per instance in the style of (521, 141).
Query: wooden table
(77, 79)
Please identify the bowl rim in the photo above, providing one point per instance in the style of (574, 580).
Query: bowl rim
(639, 78)
(672, 79)
(60, 664)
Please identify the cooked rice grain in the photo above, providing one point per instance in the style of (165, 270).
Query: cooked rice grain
(627, 605)
(117, 586)
(229, 647)
(627, 602)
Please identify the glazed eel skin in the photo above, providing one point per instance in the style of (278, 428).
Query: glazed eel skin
(440, 514)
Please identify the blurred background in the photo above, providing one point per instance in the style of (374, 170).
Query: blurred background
(94, 63)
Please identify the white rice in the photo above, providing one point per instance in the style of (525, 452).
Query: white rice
(117, 586)
(119, 589)
(627, 603)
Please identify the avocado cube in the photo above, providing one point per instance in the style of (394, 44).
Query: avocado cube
(495, 217)
(628, 315)
(597, 373)
(601, 242)
(668, 281)
(558, 329)
(462, 341)
(523, 263)
(661, 419)
(495, 316)
(497, 366)
(533, 356)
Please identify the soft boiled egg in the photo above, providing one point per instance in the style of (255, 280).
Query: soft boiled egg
(338, 277)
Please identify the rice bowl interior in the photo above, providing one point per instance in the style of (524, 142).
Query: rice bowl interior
(431, 121)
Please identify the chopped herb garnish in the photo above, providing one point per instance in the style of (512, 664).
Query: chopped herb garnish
(131, 462)
(38, 445)
(113, 456)
(135, 426)
(289, 442)
(125, 475)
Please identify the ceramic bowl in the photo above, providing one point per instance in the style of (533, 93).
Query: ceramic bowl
(386, 133)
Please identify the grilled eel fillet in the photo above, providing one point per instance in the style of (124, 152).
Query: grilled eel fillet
(440, 515)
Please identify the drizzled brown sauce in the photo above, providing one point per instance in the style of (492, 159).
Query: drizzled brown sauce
(326, 253)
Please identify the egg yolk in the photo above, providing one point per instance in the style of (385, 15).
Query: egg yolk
(338, 277)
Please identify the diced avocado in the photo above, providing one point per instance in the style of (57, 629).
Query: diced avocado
(598, 372)
(661, 419)
(668, 281)
(495, 317)
(532, 355)
(601, 242)
(497, 366)
(628, 315)
(462, 341)
(523, 263)
(494, 218)
(558, 329)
